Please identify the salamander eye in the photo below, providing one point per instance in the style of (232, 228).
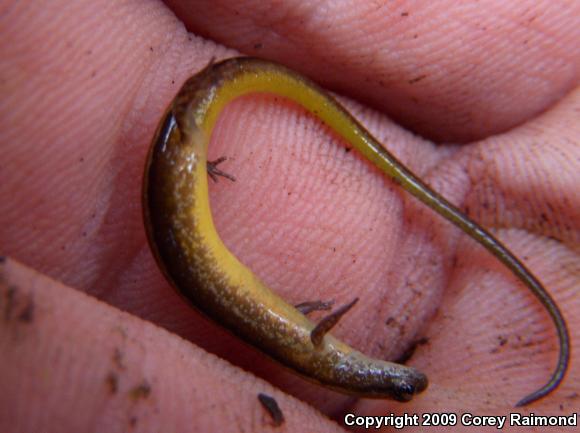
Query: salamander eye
(414, 384)
(404, 392)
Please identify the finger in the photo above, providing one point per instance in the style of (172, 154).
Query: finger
(71, 196)
(71, 363)
(445, 70)
(491, 342)
(315, 221)
(79, 112)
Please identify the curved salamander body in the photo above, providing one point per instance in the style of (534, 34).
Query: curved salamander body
(195, 260)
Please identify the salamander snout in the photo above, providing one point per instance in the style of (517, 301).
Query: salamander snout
(415, 383)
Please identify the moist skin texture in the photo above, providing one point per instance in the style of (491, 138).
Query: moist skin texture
(193, 257)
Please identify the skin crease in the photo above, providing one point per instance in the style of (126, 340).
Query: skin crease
(95, 95)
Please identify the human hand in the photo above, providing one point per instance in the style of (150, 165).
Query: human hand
(84, 88)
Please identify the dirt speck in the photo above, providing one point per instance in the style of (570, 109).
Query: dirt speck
(112, 382)
(141, 391)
